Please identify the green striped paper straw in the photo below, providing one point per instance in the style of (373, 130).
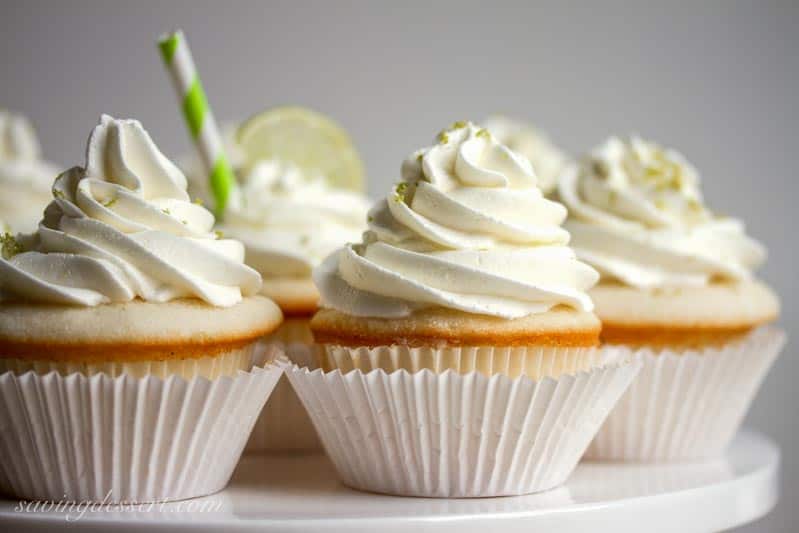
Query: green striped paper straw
(199, 119)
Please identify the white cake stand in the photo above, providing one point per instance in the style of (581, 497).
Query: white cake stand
(301, 493)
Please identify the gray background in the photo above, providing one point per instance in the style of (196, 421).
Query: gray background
(718, 80)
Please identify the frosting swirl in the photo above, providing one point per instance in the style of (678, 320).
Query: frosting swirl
(123, 228)
(465, 229)
(637, 216)
(290, 222)
(25, 179)
(548, 160)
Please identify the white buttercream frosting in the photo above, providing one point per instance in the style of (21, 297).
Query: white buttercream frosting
(548, 160)
(637, 215)
(467, 229)
(122, 228)
(289, 222)
(25, 179)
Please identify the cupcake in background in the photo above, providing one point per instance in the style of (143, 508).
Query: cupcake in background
(678, 291)
(289, 220)
(547, 159)
(25, 178)
(299, 197)
(127, 336)
(458, 334)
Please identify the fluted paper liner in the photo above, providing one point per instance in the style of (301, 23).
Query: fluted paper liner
(113, 439)
(686, 406)
(457, 435)
(283, 424)
(535, 362)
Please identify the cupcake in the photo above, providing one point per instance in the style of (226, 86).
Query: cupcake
(547, 159)
(677, 291)
(127, 336)
(458, 335)
(25, 179)
(296, 202)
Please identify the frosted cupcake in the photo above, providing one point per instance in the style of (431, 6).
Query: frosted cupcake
(547, 159)
(456, 333)
(289, 221)
(127, 336)
(677, 289)
(25, 178)
(296, 202)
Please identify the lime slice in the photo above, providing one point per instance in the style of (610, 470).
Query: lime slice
(306, 138)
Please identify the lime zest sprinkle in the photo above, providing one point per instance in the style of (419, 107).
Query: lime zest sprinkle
(443, 136)
(304, 239)
(218, 234)
(110, 202)
(166, 211)
(483, 133)
(370, 218)
(599, 169)
(9, 246)
(399, 192)
(694, 204)
(58, 193)
(198, 201)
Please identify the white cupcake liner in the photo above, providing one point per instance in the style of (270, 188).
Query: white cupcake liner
(686, 406)
(122, 439)
(535, 362)
(457, 435)
(284, 425)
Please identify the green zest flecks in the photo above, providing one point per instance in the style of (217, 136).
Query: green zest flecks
(399, 192)
(9, 246)
(443, 136)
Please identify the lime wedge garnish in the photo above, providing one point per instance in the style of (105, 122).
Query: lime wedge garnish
(305, 138)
